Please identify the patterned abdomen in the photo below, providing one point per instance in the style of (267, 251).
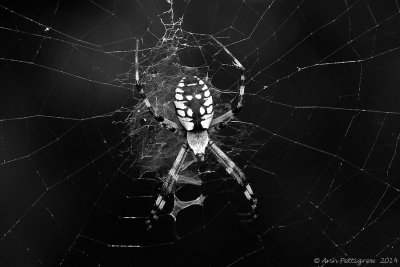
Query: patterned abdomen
(193, 104)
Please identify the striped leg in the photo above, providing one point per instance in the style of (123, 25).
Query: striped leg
(168, 185)
(237, 173)
(224, 119)
(169, 125)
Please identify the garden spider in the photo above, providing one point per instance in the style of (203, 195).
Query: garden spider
(194, 110)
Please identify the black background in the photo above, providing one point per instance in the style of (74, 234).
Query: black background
(322, 88)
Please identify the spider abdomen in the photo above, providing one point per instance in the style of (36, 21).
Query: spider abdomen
(193, 104)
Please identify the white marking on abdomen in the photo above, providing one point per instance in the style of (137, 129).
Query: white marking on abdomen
(202, 110)
(181, 112)
(189, 112)
(208, 101)
(187, 119)
(207, 116)
(186, 124)
(179, 96)
(206, 120)
(180, 104)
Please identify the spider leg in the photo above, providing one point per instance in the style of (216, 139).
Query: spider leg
(237, 173)
(168, 184)
(169, 125)
(224, 119)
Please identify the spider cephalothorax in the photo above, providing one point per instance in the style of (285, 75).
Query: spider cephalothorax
(194, 110)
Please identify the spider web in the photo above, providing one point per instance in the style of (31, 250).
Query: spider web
(81, 160)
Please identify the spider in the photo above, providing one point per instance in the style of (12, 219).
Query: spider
(194, 110)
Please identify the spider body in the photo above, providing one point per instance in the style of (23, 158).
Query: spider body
(194, 110)
(193, 104)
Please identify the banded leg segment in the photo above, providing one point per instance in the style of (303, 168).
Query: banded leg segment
(168, 184)
(224, 119)
(169, 125)
(235, 172)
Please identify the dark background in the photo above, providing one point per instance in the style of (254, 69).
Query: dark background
(322, 90)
